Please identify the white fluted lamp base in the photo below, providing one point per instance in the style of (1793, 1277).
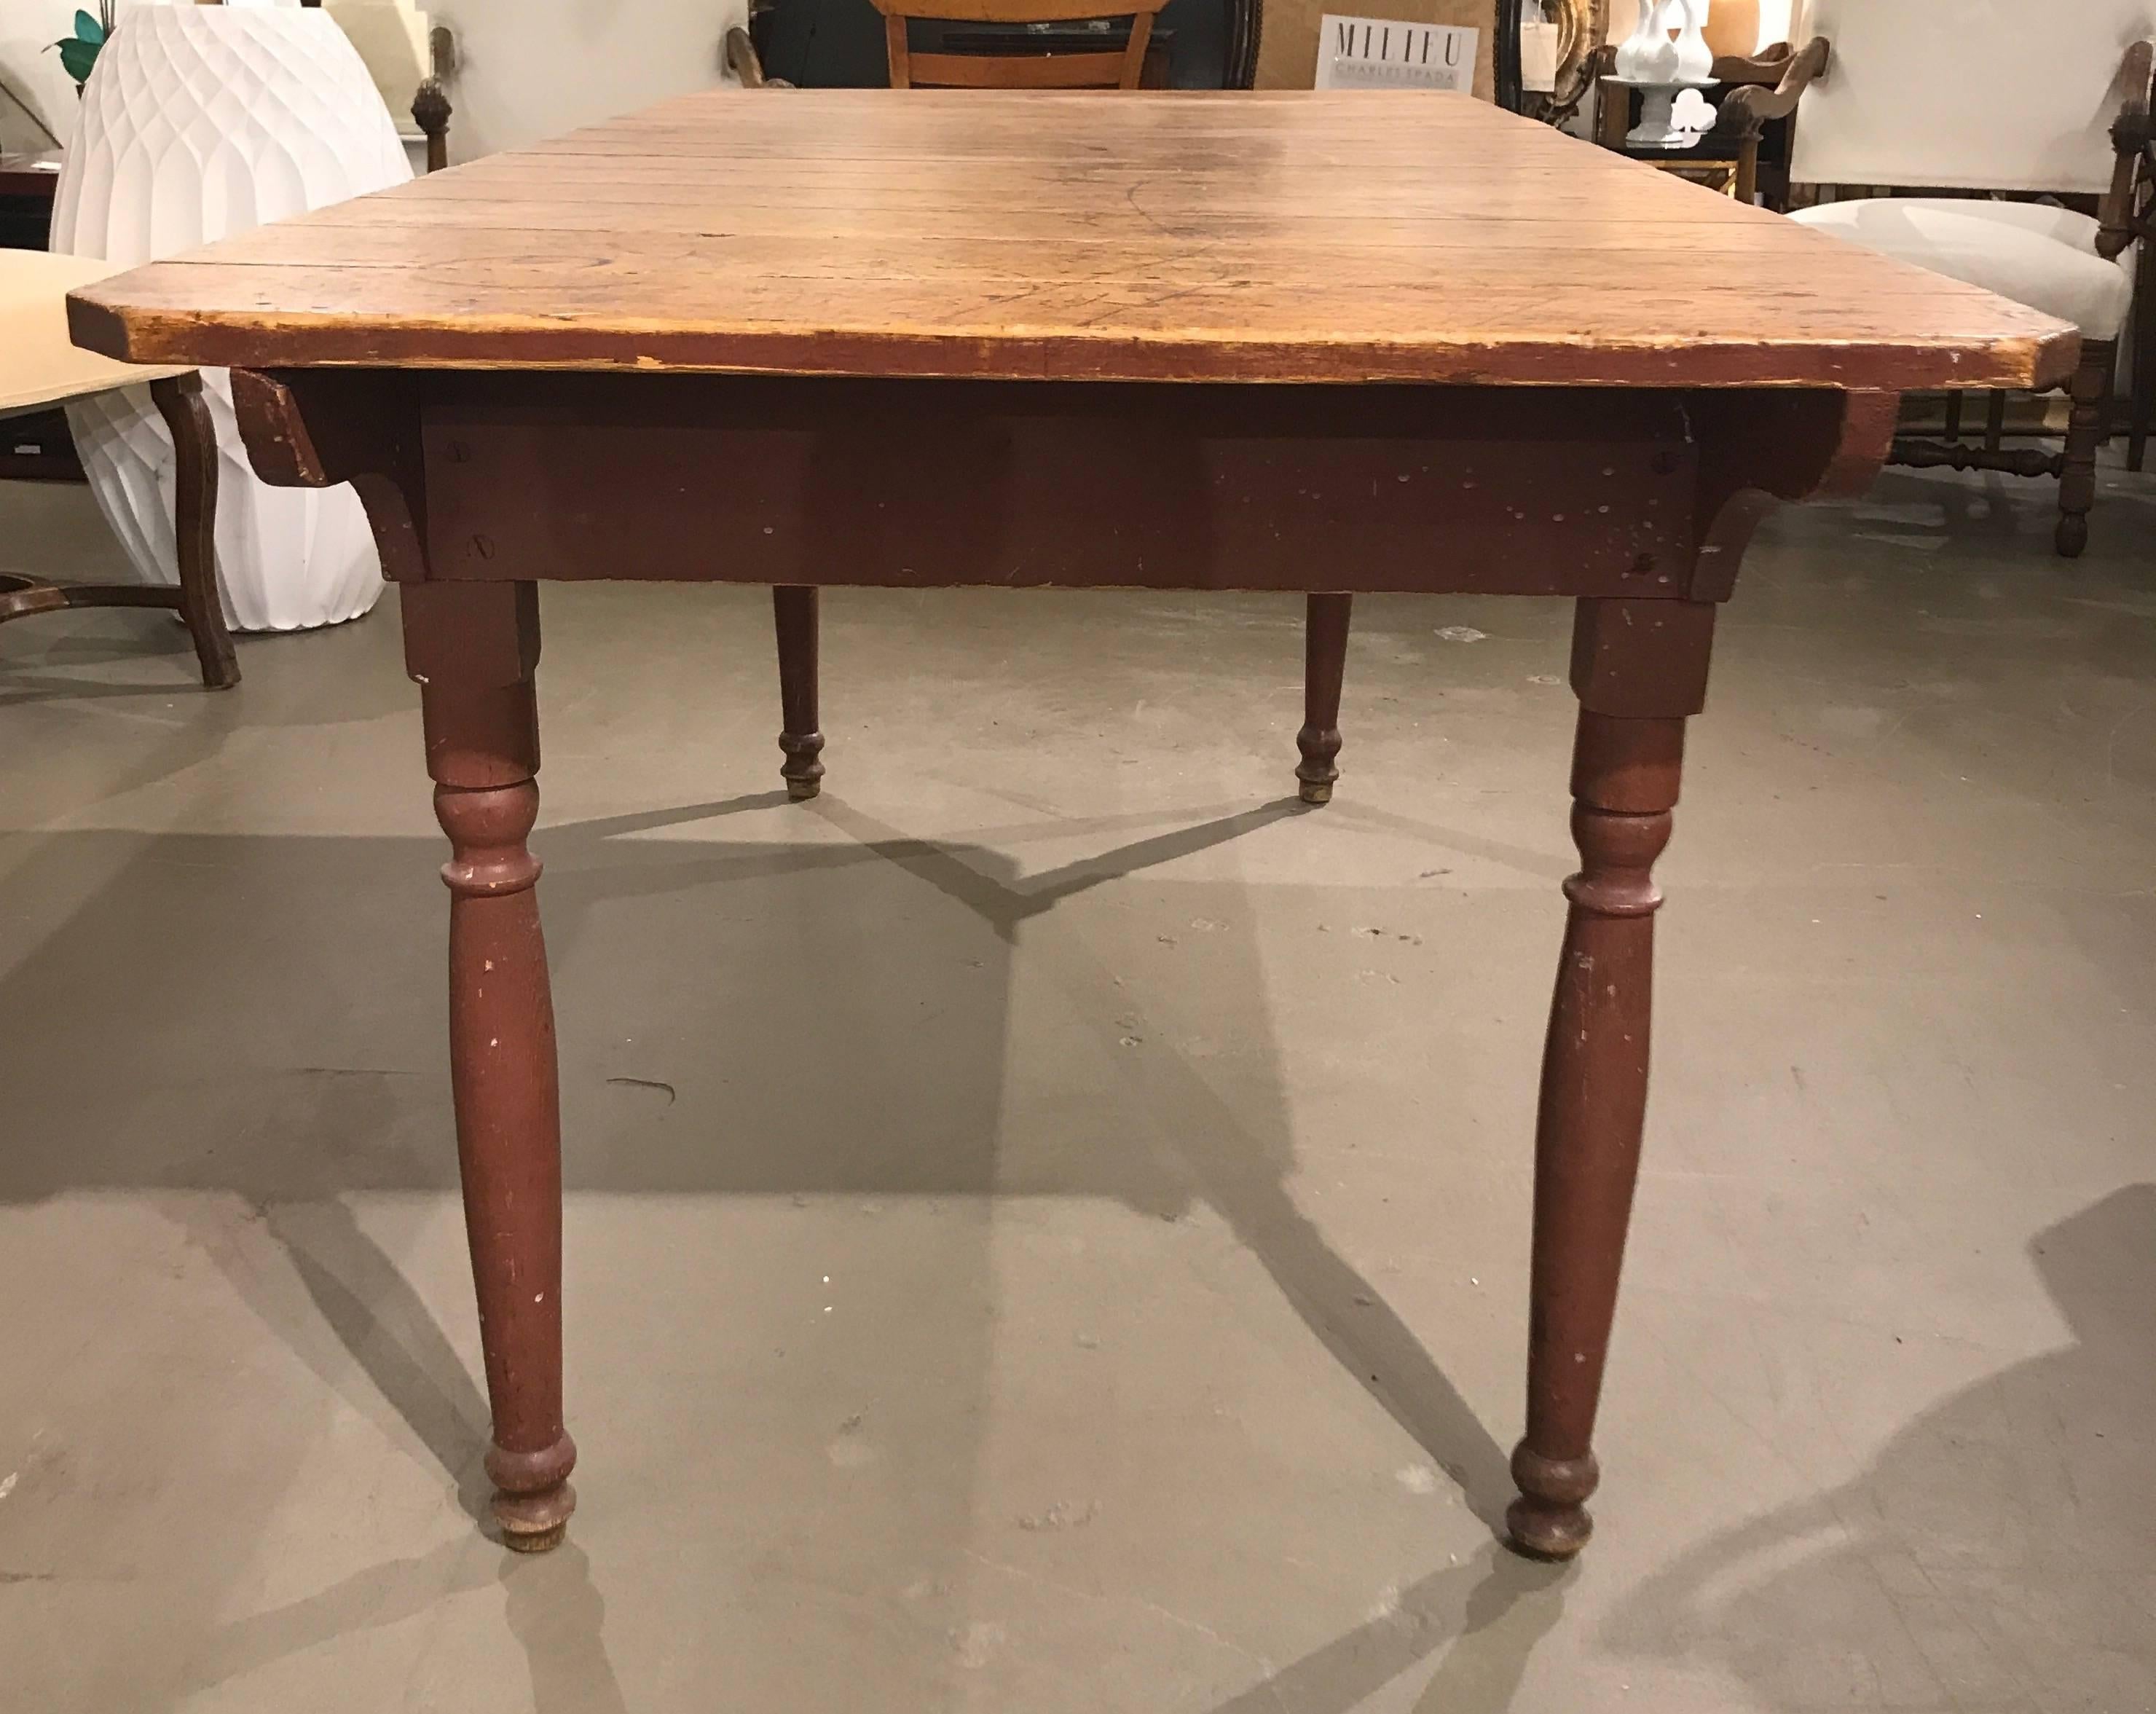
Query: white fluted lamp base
(200, 122)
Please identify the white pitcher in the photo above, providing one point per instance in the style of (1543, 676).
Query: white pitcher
(1636, 49)
(1669, 46)
(1694, 60)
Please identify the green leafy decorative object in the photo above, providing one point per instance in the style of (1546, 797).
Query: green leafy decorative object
(78, 52)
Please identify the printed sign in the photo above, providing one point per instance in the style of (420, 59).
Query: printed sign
(1384, 54)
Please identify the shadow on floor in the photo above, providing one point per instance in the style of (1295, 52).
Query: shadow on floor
(1997, 1554)
(1482, 1620)
(698, 1059)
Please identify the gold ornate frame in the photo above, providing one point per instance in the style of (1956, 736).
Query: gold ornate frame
(1581, 26)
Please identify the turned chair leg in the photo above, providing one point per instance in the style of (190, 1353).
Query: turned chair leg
(474, 648)
(2084, 433)
(1994, 421)
(793, 611)
(2144, 358)
(1324, 665)
(1640, 668)
(179, 401)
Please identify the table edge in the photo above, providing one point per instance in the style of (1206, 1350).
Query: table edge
(99, 322)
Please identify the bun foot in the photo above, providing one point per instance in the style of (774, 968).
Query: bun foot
(535, 1523)
(1540, 1530)
(1320, 746)
(803, 771)
(1549, 1520)
(532, 1498)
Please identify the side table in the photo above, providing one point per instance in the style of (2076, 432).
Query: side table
(35, 446)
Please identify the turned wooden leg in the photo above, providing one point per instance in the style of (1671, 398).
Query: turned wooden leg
(2084, 434)
(794, 611)
(1324, 665)
(1954, 402)
(179, 401)
(473, 648)
(2144, 357)
(1639, 667)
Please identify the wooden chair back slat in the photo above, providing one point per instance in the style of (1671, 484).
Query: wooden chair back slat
(1014, 71)
(1120, 68)
(997, 11)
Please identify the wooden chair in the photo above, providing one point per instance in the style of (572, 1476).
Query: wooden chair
(1113, 66)
(1118, 63)
(1194, 44)
(39, 367)
(2031, 103)
(1729, 158)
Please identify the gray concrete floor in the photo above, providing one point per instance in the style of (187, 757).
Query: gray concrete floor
(1048, 1224)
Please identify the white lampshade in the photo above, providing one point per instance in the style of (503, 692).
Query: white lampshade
(200, 122)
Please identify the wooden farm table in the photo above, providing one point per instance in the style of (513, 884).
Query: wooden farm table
(1346, 342)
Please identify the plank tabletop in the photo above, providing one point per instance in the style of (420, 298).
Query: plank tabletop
(1355, 235)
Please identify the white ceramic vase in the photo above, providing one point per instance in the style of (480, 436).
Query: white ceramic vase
(1694, 59)
(1669, 46)
(200, 122)
(1640, 56)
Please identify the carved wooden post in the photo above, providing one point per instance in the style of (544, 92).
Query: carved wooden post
(1324, 666)
(2086, 431)
(430, 108)
(473, 648)
(793, 610)
(1639, 668)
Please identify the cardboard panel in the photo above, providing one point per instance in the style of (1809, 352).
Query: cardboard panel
(1287, 55)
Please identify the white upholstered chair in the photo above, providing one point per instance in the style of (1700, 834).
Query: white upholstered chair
(2044, 97)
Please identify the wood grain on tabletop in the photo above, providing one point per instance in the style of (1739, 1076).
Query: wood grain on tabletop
(1356, 235)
